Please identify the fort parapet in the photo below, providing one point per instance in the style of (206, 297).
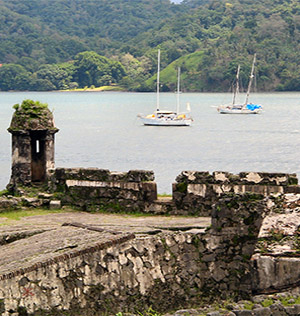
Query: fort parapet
(194, 192)
(94, 188)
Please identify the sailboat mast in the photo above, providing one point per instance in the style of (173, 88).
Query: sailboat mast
(157, 81)
(178, 90)
(250, 81)
(236, 90)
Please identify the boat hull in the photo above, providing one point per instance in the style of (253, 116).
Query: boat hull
(165, 122)
(238, 111)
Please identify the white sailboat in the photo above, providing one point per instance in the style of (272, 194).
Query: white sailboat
(165, 117)
(245, 108)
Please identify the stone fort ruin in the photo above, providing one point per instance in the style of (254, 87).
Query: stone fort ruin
(88, 268)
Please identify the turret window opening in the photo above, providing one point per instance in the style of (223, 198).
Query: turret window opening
(37, 146)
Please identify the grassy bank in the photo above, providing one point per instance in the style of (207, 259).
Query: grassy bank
(98, 89)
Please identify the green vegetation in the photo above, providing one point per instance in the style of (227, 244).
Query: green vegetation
(148, 312)
(267, 302)
(4, 192)
(190, 65)
(289, 300)
(249, 305)
(91, 69)
(31, 108)
(15, 215)
(164, 195)
(181, 187)
(276, 234)
(31, 115)
(57, 45)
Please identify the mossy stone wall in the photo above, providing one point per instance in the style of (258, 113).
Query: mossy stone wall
(195, 192)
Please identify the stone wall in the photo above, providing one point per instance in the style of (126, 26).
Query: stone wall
(196, 192)
(127, 272)
(231, 242)
(21, 158)
(161, 271)
(96, 189)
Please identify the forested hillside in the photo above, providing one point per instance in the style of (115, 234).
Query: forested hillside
(229, 33)
(57, 44)
(59, 29)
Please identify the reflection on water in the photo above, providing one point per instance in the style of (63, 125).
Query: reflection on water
(102, 130)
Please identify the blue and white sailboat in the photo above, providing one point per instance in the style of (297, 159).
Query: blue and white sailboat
(245, 108)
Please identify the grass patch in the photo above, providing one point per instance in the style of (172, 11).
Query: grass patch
(267, 302)
(249, 305)
(4, 193)
(164, 195)
(285, 300)
(149, 312)
(16, 215)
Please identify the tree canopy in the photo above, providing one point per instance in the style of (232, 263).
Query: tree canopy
(50, 45)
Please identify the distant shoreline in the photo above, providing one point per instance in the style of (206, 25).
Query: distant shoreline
(101, 89)
(120, 89)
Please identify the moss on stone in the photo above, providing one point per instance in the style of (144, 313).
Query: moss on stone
(232, 204)
(267, 302)
(105, 207)
(31, 115)
(292, 181)
(22, 311)
(2, 306)
(181, 187)
(251, 219)
(4, 193)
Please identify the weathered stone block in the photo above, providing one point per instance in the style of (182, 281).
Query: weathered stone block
(243, 313)
(264, 178)
(276, 273)
(197, 189)
(230, 314)
(185, 312)
(213, 313)
(263, 311)
(277, 309)
(292, 189)
(6, 203)
(31, 202)
(149, 191)
(222, 177)
(55, 204)
(297, 309)
(291, 311)
(139, 176)
(195, 177)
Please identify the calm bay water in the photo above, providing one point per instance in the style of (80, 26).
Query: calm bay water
(101, 130)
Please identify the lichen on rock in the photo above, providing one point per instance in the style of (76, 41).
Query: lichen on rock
(31, 115)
